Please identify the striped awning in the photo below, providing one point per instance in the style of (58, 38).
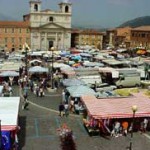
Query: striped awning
(117, 107)
(8, 128)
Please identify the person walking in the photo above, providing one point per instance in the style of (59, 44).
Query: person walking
(31, 85)
(41, 92)
(66, 109)
(125, 127)
(25, 102)
(11, 81)
(145, 123)
(63, 96)
(37, 90)
(61, 109)
(25, 105)
(117, 128)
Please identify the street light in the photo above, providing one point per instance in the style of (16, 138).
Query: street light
(26, 61)
(52, 76)
(134, 109)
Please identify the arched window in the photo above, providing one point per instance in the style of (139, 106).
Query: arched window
(66, 9)
(36, 7)
(20, 47)
(51, 19)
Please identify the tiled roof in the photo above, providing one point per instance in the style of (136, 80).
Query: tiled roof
(20, 24)
(87, 31)
(91, 32)
(75, 31)
(142, 28)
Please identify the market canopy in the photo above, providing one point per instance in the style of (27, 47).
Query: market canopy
(121, 50)
(94, 79)
(9, 74)
(35, 61)
(93, 64)
(38, 69)
(59, 65)
(76, 57)
(9, 107)
(85, 55)
(117, 107)
(72, 82)
(78, 91)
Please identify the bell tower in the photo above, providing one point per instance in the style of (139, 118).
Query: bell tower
(35, 6)
(65, 6)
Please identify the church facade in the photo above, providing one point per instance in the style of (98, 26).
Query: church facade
(50, 28)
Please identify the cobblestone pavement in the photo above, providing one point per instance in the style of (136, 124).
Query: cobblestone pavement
(39, 126)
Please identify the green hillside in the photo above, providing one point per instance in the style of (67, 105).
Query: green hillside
(140, 21)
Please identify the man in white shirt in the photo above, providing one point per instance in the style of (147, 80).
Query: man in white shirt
(66, 109)
(145, 123)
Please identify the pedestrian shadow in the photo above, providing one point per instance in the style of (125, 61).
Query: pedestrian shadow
(22, 132)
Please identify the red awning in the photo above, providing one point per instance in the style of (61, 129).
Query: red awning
(117, 107)
(8, 128)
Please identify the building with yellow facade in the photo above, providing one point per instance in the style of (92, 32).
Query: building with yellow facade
(87, 37)
(14, 34)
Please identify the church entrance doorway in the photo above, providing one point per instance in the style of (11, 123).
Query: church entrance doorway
(51, 44)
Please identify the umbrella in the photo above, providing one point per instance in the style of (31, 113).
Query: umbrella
(77, 57)
(9, 74)
(78, 91)
(72, 82)
(38, 69)
(76, 65)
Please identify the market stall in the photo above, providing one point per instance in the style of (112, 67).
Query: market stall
(9, 108)
(99, 110)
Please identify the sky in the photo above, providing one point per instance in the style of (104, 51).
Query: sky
(100, 13)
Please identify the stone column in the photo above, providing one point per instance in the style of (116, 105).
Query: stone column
(46, 41)
(56, 40)
(40, 40)
(62, 38)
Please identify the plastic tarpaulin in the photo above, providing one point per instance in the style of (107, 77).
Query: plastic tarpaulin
(78, 91)
(73, 82)
(38, 69)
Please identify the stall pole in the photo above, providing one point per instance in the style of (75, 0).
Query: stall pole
(26, 61)
(134, 109)
(52, 72)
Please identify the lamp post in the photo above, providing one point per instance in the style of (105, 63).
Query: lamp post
(52, 76)
(134, 109)
(26, 61)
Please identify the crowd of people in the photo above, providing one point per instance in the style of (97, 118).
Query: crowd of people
(70, 105)
(116, 128)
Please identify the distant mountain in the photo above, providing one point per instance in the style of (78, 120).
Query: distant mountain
(4, 17)
(140, 21)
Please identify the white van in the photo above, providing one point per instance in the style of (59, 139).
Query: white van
(128, 80)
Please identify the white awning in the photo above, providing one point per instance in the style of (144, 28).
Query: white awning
(9, 107)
